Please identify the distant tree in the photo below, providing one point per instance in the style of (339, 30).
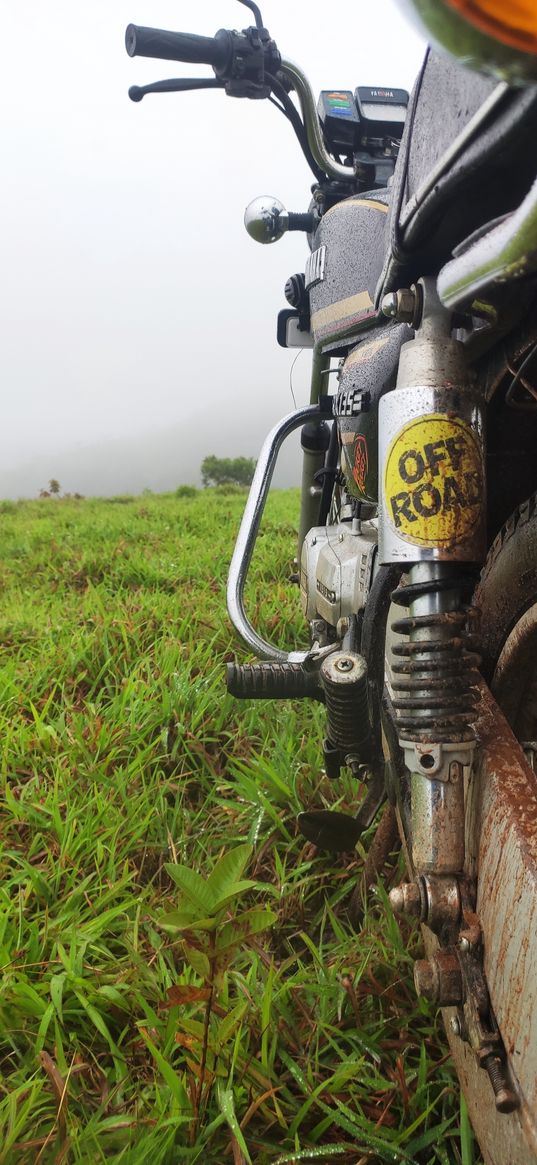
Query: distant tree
(186, 491)
(44, 493)
(54, 486)
(226, 470)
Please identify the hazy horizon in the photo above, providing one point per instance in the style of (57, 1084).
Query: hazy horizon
(133, 301)
(159, 461)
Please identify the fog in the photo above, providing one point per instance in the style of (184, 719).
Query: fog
(139, 318)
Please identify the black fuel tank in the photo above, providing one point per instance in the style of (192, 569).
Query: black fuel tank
(344, 267)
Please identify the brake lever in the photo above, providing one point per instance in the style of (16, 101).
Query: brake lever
(175, 85)
(257, 14)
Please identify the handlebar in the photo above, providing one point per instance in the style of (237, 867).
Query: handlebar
(179, 46)
(247, 64)
(298, 81)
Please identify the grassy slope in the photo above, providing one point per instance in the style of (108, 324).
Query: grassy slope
(121, 752)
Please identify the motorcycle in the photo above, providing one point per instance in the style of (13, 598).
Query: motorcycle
(417, 556)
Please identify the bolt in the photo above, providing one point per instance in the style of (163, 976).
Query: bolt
(506, 1099)
(406, 305)
(406, 899)
(440, 979)
(424, 978)
(344, 664)
(388, 306)
(400, 305)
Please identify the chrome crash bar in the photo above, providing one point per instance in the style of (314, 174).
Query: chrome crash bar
(249, 528)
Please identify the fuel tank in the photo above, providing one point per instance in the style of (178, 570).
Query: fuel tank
(369, 371)
(343, 269)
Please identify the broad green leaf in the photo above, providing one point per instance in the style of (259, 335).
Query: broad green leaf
(228, 1025)
(235, 890)
(198, 961)
(195, 888)
(227, 872)
(185, 920)
(239, 930)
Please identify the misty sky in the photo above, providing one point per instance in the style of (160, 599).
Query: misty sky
(131, 296)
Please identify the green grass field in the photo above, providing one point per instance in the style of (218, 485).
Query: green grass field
(150, 1013)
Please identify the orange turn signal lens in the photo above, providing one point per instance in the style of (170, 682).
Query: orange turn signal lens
(513, 22)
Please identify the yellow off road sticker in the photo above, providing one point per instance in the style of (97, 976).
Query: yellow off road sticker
(434, 481)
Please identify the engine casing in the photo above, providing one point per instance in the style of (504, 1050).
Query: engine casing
(336, 570)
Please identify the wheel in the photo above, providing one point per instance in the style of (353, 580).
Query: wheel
(507, 598)
(502, 833)
(501, 839)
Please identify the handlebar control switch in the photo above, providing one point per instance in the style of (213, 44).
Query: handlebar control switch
(266, 220)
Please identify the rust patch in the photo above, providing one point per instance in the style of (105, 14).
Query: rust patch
(503, 807)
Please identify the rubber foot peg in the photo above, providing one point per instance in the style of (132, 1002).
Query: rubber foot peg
(272, 681)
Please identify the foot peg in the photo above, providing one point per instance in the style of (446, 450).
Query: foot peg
(343, 676)
(272, 681)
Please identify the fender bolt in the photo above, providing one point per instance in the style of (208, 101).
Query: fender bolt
(506, 1099)
(406, 899)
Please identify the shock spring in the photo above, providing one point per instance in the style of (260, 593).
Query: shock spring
(435, 670)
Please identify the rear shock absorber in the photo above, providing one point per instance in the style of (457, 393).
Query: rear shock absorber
(432, 522)
(434, 674)
(436, 668)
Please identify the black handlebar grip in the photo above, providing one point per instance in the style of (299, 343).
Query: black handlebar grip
(178, 46)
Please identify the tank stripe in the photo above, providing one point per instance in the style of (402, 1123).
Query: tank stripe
(364, 352)
(342, 310)
(370, 203)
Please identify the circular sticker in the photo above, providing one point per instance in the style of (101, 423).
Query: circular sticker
(434, 481)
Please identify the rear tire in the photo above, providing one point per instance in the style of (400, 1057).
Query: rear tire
(507, 598)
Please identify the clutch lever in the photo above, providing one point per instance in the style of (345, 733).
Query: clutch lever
(257, 14)
(175, 85)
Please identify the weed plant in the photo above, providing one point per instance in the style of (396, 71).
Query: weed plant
(180, 979)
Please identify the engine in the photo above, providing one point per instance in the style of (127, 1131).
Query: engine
(337, 570)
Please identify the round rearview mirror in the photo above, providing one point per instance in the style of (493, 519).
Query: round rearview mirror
(266, 219)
